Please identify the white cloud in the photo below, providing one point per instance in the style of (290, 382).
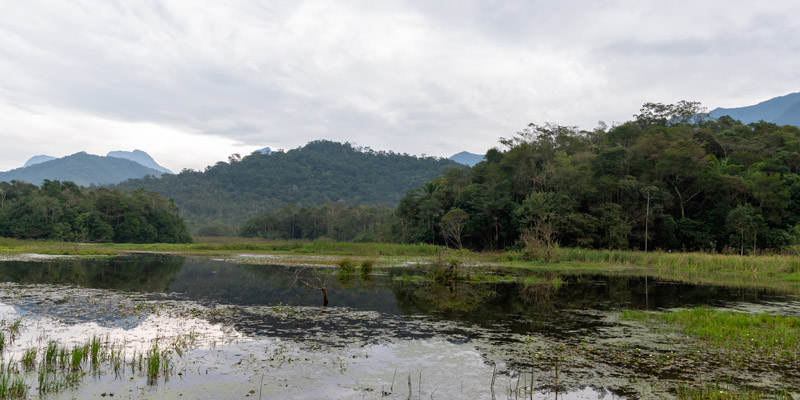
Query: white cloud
(414, 76)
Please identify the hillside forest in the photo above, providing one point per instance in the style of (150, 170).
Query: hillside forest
(219, 199)
(669, 179)
(64, 211)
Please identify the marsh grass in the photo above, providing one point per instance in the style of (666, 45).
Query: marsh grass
(762, 264)
(94, 349)
(29, 359)
(12, 387)
(366, 267)
(346, 265)
(78, 355)
(750, 335)
(722, 391)
(153, 363)
(224, 245)
(13, 330)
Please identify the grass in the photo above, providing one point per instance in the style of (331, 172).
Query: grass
(719, 391)
(757, 335)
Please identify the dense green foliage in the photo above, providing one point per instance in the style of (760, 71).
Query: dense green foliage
(225, 194)
(64, 211)
(332, 221)
(670, 179)
(82, 168)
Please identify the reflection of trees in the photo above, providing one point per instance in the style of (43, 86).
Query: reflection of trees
(537, 294)
(140, 273)
(449, 297)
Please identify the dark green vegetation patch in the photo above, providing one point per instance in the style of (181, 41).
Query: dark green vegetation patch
(66, 212)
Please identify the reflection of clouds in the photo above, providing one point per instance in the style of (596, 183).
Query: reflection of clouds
(36, 332)
(73, 306)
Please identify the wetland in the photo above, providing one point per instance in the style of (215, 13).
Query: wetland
(167, 326)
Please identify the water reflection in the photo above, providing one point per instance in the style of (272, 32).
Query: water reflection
(520, 302)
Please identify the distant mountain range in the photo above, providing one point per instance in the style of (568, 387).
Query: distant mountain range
(783, 110)
(86, 169)
(37, 160)
(467, 158)
(139, 157)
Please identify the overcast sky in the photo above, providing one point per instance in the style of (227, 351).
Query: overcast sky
(192, 82)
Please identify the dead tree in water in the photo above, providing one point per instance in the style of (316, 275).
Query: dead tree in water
(317, 281)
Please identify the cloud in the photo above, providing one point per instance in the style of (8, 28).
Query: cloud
(58, 133)
(414, 76)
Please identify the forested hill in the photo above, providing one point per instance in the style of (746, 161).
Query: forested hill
(670, 179)
(320, 172)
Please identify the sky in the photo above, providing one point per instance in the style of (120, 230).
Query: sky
(193, 82)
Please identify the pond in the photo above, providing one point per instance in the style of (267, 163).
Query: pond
(158, 326)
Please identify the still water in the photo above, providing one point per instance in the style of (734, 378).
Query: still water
(250, 331)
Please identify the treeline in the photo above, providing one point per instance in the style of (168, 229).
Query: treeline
(219, 199)
(64, 211)
(670, 179)
(331, 221)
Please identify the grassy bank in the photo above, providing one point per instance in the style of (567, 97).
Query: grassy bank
(775, 271)
(223, 246)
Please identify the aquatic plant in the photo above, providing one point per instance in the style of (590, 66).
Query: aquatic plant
(50, 357)
(12, 387)
(366, 267)
(29, 359)
(13, 330)
(346, 265)
(77, 356)
(95, 351)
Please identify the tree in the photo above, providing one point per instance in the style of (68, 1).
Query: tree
(453, 226)
(744, 221)
(648, 192)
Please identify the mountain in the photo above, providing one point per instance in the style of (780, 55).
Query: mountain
(139, 157)
(318, 173)
(81, 168)
(37, 160)
(467, 158)
(783, 110)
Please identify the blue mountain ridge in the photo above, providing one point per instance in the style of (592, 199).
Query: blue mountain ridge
(782, 110)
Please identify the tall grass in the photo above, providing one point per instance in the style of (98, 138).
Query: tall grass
(771, 264)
